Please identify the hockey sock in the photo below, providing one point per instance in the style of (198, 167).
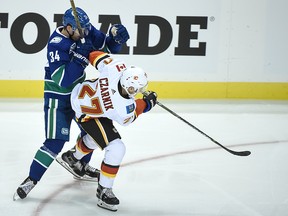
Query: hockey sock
(81, 149)
(40, 163)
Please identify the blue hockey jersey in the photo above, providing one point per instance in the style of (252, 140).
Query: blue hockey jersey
(61, 73)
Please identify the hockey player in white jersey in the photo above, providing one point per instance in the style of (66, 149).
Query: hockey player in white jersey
(97, 103)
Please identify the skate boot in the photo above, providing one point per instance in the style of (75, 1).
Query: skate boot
(92, 172)
(26, 186)
(79, 170)
(76, 166)
(106, 198)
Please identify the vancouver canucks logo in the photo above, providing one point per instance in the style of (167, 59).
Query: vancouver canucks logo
(72, 48)
(56, 40)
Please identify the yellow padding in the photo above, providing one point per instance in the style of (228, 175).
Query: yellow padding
(21, 88)
(220, 90)
(169, 90)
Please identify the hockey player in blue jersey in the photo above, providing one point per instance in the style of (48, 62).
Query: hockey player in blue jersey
(67, 54)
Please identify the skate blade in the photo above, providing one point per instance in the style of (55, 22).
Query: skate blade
(16, 196)
(85, 178)
(104, 205)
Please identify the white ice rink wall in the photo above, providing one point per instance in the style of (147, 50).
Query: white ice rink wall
(189, 48)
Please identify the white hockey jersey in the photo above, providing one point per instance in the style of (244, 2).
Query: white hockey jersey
(101, 97)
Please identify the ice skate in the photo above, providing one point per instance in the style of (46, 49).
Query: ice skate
(107, 199)
(91, 174)
(26, 186)
(69, 162)
(79, 170)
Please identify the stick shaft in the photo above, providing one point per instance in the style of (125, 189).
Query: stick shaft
(243, 153)
(76, 18)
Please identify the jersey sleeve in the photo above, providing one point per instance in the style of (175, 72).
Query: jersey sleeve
(124, 121)
(126, 115)
(134, 109)
(104, 62)
(112, 46)
(103, 42)
(140, 107)
(96, 57)
(97, 38)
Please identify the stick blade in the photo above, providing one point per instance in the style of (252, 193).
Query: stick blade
(242, 153)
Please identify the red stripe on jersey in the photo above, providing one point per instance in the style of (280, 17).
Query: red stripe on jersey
(82, 147)
(112, 170)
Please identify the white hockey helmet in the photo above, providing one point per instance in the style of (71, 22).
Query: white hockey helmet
(133, 80)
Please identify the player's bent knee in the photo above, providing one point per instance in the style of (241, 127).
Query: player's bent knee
(89, 142)
(115, 152)
(54, 145)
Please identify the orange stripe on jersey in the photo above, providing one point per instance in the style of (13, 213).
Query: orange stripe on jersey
(80, 145)
(140, 106)
(109, 170)
(127, 120)
(95, 56)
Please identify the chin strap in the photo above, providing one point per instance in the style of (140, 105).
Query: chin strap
(70, 35)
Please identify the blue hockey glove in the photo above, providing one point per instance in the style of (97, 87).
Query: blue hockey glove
(119, 33)
(81, 52)
(80, 59)
(84, 48)
(150, 98)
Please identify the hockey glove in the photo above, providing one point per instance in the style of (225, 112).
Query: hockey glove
(80, 59)
(119, 33)
(81, 53)
(150, 98)
(84, 48)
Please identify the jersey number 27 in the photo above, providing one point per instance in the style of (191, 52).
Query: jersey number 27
(95, 107)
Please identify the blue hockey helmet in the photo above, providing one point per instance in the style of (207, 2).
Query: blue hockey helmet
(69, 19)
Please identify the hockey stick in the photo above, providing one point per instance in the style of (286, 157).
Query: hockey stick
(77, 21)
(238, 153)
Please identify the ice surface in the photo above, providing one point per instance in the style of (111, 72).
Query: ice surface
(169, 168)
